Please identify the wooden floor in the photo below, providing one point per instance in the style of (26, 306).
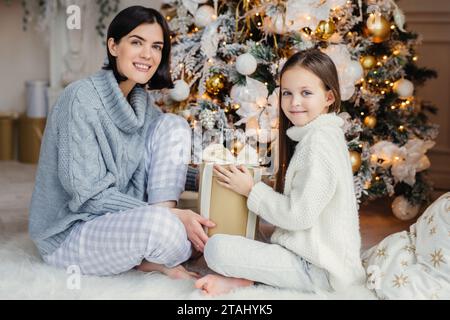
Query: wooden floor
(377, 222)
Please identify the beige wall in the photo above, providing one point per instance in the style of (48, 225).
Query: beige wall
(431, 19)
(23, 56)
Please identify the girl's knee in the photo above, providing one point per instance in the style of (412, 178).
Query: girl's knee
(216, 250)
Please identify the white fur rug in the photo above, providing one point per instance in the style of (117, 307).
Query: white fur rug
(23, 274)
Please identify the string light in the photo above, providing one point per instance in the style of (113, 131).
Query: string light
(401, 128)
(385, 57)
(415, 58)
(393, 107)
(392, 27)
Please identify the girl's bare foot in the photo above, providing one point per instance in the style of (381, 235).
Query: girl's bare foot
(213, 285)
(178, 272)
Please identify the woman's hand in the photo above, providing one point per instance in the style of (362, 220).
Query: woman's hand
(193, 224)
(237, 179)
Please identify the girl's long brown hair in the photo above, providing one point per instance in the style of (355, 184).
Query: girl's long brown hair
(323, 67)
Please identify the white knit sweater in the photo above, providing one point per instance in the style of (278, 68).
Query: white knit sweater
(317, 216)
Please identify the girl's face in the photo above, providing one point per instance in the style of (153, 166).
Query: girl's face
(138, 54)
(303, 96)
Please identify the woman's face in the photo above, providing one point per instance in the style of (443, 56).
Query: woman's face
(303, 96)
(138, 54)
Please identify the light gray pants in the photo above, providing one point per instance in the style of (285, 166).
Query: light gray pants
(271, 264)
(117, 242)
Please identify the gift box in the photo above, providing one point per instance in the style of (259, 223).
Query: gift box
(223, 206)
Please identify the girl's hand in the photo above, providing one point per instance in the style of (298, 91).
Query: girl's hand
(193, 224)
(237, 179)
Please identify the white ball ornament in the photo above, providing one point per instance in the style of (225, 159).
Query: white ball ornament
(404, 88)
(347, 92)
(355, 70)
(246, 64)
(180, 91)
(403, 210)
(204, 16)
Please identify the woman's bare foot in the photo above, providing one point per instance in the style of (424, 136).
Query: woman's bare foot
(213, 285)
(178, 272)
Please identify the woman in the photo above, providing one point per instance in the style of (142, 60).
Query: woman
(110, 174)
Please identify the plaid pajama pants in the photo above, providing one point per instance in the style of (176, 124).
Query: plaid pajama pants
(116, 242)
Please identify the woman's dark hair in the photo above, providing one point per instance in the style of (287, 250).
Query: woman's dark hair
(126, 21)
(323, 67)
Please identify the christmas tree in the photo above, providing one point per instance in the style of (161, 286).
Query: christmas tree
(225, 64)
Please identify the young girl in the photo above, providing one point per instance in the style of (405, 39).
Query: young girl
(316, 243)
(109, 172)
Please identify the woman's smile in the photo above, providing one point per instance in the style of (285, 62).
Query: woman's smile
(142, 67)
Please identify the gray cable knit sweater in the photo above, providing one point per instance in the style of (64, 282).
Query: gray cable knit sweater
(91, 159)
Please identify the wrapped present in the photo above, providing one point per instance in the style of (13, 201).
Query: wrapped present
(225, 207)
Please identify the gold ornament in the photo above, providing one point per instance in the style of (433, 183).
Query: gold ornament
(236, 146)
(307, 30)
(368, 62)
(215, 84)
(325, 29)
(355, 160)
(370, 121)
(378, 27)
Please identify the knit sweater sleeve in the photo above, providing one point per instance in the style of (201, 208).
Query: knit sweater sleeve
(81, 166)
(312, 188)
